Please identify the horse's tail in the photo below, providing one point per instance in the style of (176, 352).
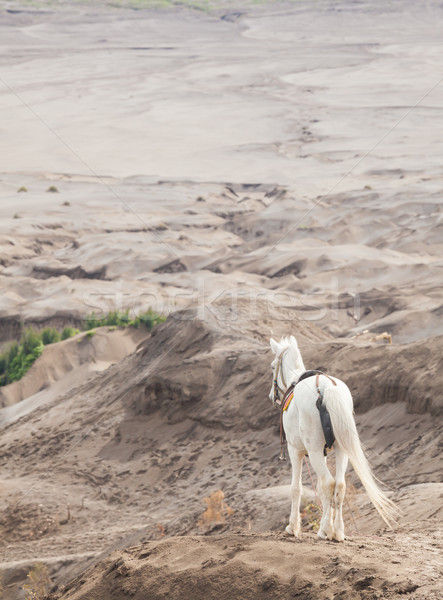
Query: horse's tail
(339, 405)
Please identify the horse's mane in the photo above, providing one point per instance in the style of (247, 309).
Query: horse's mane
(285, 341)
(289, 342)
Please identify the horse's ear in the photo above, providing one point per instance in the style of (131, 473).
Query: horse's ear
(293, 340)
(274, 346)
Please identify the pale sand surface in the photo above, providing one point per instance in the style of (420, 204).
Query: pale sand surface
(294, 94)
(249, 170)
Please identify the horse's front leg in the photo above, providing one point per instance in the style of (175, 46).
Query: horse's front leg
(296, 488)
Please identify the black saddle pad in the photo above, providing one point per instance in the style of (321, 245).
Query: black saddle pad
(307, 374)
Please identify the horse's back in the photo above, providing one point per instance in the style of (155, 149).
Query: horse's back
(301, 420)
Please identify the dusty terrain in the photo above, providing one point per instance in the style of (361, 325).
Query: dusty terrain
(248, 170)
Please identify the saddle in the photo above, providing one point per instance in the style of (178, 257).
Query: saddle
(325, 417)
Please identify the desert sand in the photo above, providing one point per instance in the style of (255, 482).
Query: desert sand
(247, 170)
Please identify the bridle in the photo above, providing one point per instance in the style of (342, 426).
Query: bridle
(279, 371)
(278, 401)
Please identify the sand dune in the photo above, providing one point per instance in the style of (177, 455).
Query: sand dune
(135, 450)
(248, 170)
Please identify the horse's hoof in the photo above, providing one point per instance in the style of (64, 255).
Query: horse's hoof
(290, 531)
(322, 535)
(339, 536)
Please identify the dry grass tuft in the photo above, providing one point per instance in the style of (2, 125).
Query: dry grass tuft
(216, 510)
(382, 336)
(310, 517)
(39, 582)
(160, 530)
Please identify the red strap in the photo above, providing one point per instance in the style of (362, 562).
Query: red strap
(317, 377)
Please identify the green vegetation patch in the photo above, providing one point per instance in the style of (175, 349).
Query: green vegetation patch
(148, 319)
(17, 359)
(69, 332)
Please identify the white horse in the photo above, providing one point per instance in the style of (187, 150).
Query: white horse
(304, 434)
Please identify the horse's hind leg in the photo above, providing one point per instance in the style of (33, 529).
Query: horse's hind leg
(341, 462)
(296, 462)
(327, 484)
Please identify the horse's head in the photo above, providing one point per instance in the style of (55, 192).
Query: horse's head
(278, 381)
(287, 358)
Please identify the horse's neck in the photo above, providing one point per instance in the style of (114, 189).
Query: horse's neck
(296, 361)
(293, 375)
(295, 366)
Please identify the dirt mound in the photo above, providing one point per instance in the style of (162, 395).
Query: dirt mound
(383, 373)
(136, 449)
(257, 566)
(208, 371)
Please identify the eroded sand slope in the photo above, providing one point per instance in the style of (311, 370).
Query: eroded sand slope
(249, 171)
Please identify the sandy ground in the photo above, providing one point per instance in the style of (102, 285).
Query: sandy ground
(249, 170)
(129, 457)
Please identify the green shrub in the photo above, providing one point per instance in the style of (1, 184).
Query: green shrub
(50, 335)
(69, 332)
(12, 352)
(91, 322)
(121, 319)
(17, 359)
(29, 341)
(150, 319)
(114, 318)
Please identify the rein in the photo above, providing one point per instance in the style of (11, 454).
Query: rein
(281, 401)
(277, 389)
